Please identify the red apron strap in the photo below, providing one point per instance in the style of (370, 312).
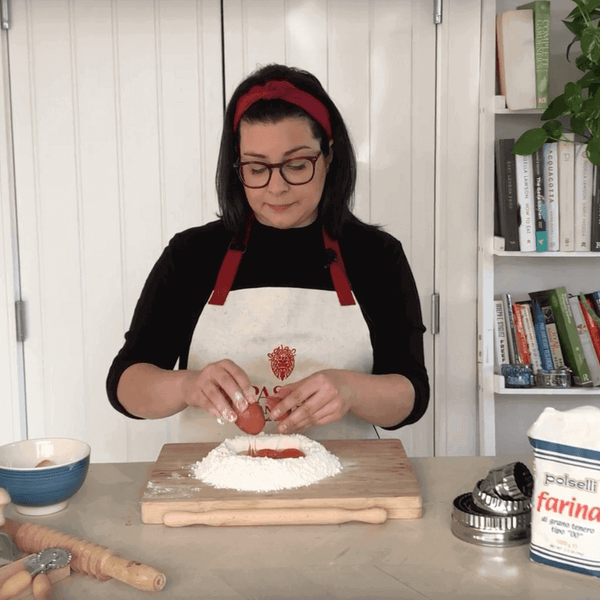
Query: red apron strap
(229, 268)
(231, 263)
(338, 272)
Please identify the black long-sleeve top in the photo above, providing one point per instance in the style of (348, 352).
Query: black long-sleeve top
(183, 278)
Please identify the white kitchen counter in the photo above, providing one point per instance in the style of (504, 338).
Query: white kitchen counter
(412, 560)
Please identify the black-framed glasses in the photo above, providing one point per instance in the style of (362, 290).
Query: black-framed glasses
(295, 171)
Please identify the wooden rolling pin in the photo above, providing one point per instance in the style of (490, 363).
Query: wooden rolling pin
(87, 558)
(275, 516)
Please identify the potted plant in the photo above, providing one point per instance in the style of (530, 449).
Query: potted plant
(580, 101)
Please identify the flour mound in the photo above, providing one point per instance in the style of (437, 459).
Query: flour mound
(225, 468)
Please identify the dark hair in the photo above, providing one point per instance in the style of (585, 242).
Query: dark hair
(338, 191)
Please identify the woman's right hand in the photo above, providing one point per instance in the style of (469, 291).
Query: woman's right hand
(217, 387)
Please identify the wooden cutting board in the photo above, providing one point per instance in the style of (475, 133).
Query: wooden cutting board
(375, 473)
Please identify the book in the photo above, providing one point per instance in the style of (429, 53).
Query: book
(586, 341)
(583, 197)
(543, 300)
(541, 36)
(551, 189)
(527, 318)
(541, 334)
(501, 356)
(521, 335)
(515, 51)
(595, 213)
(513, 350)
(539, 201)
(592, 325)
(569, 337)
(595, 300)
(524, 169)
(566, 192)
(506, 194)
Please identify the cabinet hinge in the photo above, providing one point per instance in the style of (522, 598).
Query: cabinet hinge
(435, 314)
(437, 11)
(5, 14)
(20, 313)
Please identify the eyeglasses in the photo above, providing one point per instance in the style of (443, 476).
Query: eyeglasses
(295, 171)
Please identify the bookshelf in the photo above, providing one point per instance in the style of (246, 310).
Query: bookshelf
(505, 414)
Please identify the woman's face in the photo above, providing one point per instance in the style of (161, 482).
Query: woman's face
(281, 204)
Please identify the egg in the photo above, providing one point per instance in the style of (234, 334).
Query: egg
(252, 420)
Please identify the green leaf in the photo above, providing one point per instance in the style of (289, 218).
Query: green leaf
(576, 27)
(590, 43)
(593, 109)
(577, 124)
(592, 5)
(554, 129)
(593, 149)
(583, 63)
(530, 141)
(573, 96)
(557, 108)
(589, 78)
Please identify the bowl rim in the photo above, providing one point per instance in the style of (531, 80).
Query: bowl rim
(41, 469)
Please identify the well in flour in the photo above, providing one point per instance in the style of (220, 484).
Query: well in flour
(225, 466)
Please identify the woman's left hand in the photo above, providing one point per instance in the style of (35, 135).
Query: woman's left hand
(319, 399)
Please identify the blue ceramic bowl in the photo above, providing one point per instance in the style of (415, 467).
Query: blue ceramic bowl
(42, 490)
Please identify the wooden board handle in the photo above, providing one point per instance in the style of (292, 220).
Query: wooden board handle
(275, 516)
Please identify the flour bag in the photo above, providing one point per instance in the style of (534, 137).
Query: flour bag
(565, 507)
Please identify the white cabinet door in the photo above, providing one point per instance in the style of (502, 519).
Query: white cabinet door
(377, 61)
(115, 110)
(116, 116)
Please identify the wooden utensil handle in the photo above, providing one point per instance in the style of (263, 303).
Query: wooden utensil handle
(41, 587)
(15, 585)
(275, 516)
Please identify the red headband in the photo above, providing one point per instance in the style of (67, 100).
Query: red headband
(283, 90)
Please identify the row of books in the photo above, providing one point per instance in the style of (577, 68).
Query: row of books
(523, 55)
(550, 330)
(548, 201)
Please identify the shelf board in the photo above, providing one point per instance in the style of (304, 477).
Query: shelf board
(500, 108)
(535, 391)
(528, 111)
(538, 255)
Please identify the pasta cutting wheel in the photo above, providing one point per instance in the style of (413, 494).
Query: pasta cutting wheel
(35, 568)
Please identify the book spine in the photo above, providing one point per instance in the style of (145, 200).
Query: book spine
(508, 206)
(501, 355)
(516, 58)
(595, 213)
(541, 334)
(521, 336)
(555, 347)
(543, 299)
(539, 201)
(541, 24)
(592, 327)
(596, 300)
(513, 350)
(551, 189)
(583, 196)
(586, 341)
(525, 198)
(569, 337)
(566, 193)
(534, 353)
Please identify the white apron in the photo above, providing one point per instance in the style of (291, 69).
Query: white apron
(279, 336)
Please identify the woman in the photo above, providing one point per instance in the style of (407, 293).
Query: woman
(286, 297)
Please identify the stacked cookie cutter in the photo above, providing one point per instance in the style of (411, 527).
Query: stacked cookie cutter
(498, 511)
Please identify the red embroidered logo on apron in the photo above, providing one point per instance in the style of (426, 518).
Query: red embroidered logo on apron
(282, 361)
